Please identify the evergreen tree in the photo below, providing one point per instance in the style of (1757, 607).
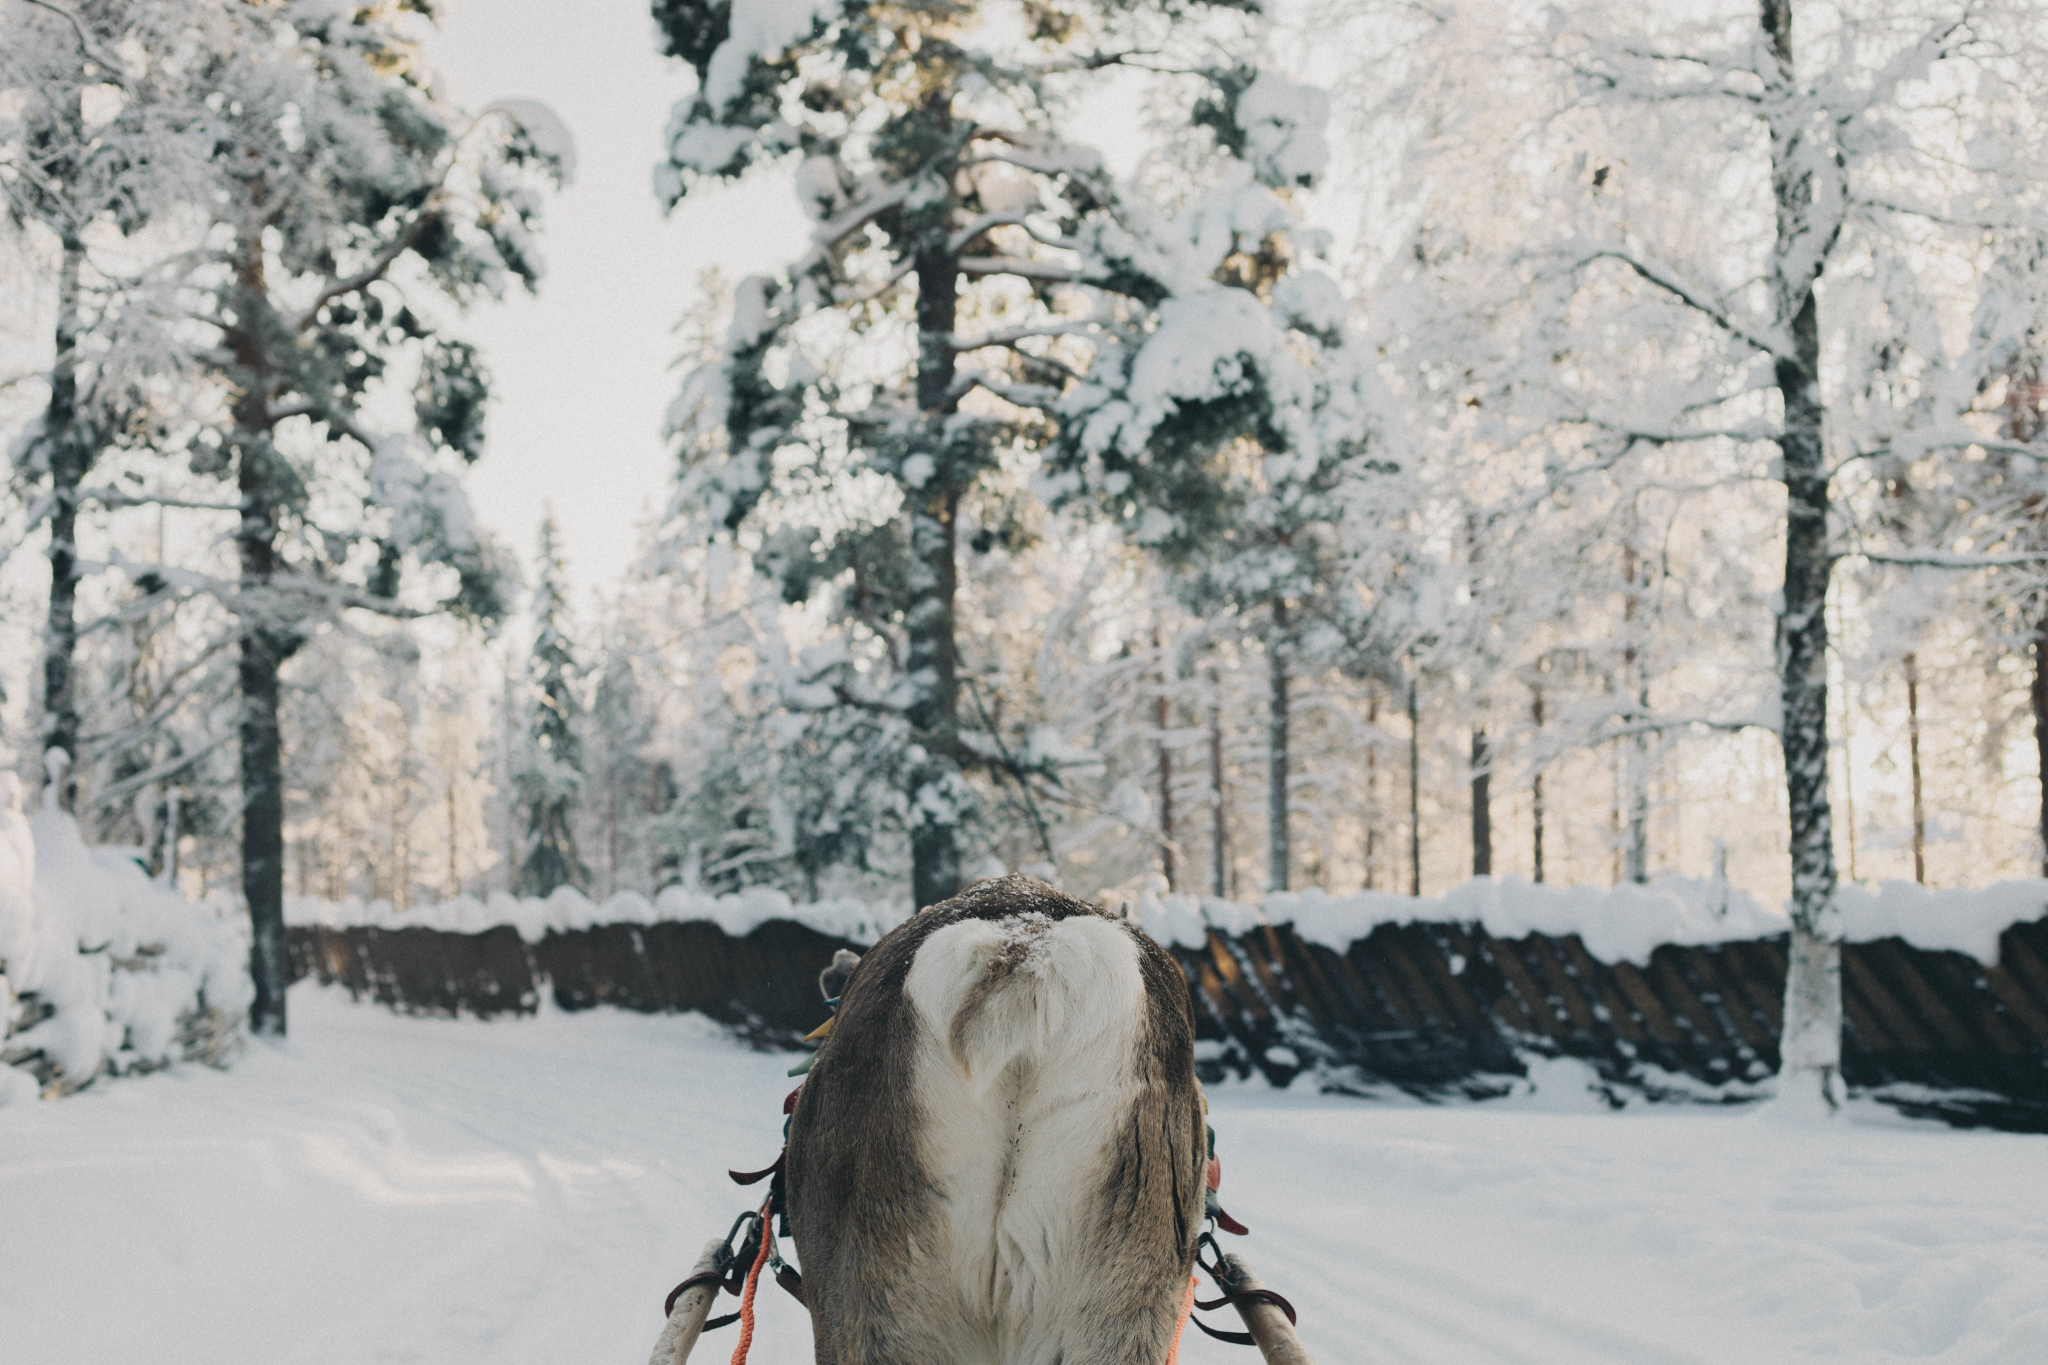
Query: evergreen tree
(976, 286)
(340, 171)
(103, 134)
(621, 728)
(551, 778)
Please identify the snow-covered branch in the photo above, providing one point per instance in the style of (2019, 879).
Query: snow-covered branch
(1767, 340)
(843, 295)
(833, 231)
(380, 264)
(1013, 335)
(113, 498)
(1947, 559)
(1756, 431)
(987, 221)
(110, 68)
(150, 776)
(1908, 64)
(1020, 395)
(981, 267)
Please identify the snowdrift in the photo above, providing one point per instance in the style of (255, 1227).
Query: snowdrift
(103, 971)
(1625, 923)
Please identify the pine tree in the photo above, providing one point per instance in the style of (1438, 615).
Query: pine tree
(551, 778)
(621, 729)
(379, 178)
(976, 288)
(105, 135)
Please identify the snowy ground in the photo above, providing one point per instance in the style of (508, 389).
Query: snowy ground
(386, 1190)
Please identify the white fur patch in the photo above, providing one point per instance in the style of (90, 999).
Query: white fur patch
(1022, 1115)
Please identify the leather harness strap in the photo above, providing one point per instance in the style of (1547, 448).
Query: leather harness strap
(1242, 1296)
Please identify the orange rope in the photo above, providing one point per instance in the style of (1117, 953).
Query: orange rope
(739, 1352)
(1187, 1306)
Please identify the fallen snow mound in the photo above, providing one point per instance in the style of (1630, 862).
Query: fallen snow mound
(103, 971)
(1623, 923)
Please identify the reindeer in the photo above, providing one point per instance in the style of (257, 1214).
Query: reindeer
(998, 1156)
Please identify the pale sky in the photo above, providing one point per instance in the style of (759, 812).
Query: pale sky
(582, 373)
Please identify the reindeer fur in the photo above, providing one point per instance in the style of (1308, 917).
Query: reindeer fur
(998, 1156)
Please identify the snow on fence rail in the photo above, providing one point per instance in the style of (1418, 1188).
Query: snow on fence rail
(568, 909)
(1625, 923)
(1660, 990)
(103, 971)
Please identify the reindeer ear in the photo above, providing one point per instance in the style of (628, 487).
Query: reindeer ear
(832, 980)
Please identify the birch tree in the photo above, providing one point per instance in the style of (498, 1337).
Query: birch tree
(1830, 150)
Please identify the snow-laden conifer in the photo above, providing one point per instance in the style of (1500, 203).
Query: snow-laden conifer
(550, 773)
(100, 155)
(979, 296)
(340, 170)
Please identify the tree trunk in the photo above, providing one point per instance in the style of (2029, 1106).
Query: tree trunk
(1811, 1048)
(1414, 793)
(1638, 809)
(1536, 792)
(1372, 787)
(940, 802)
(69, 453)
(1913, 764)
(266, 642)
(1848, 767)
(1276, 754)
(612, 844)
(1637, 850)
(2040, 692)
(454, 883)
(1219, 827)
(263, 652)
(262, 656)
(1482, 806)
(1160, 717)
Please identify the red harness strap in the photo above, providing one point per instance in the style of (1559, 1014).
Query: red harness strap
(746, 1341)
(1187, 1308)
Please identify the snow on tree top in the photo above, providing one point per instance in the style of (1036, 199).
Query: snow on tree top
(757, 30)
(549, 137)
(1283, 130)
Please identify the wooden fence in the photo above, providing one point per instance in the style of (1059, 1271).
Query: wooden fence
(1435, 1010)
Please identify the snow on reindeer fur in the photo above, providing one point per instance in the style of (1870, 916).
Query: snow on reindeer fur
(101, 969)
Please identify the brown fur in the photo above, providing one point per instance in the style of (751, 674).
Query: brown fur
(862, 1202)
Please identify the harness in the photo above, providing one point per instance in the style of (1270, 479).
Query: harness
(737, 1265)
(1225, 1280)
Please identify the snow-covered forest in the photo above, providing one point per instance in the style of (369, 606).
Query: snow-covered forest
(1356, 445)
(1510, 539)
